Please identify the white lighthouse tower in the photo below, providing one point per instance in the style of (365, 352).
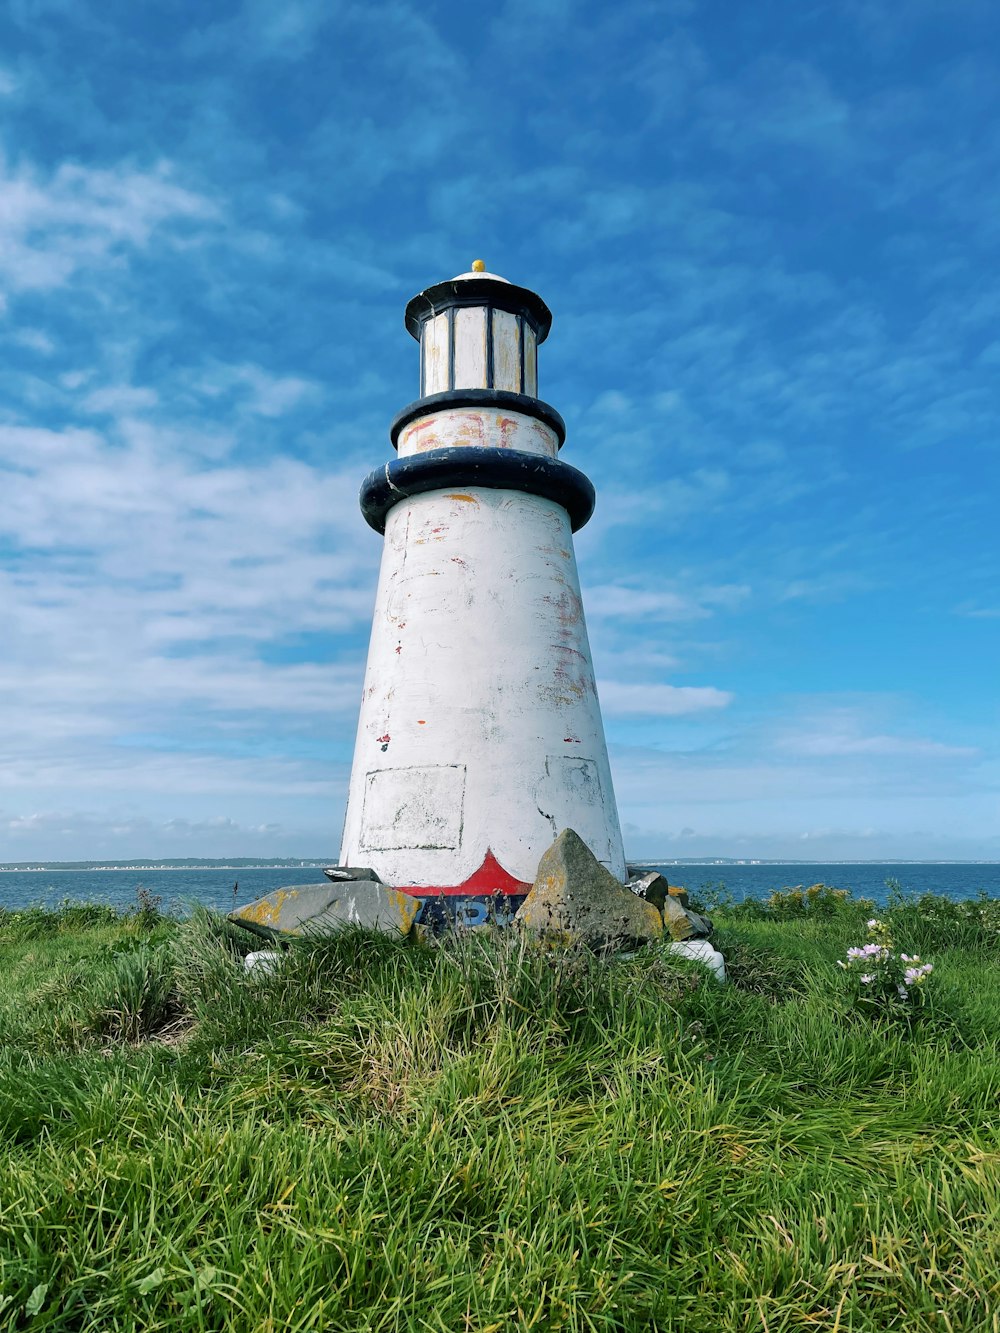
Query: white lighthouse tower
(480, 736)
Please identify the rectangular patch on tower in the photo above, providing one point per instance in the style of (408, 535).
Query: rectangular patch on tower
(414, 808)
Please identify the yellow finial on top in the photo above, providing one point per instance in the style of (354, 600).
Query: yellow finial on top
(479, 266)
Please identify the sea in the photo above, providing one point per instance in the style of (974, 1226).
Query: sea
(225, 887)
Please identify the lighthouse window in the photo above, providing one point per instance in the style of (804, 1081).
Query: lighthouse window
(530, 362)
(470, 348)
(506, 351)
(434, 348)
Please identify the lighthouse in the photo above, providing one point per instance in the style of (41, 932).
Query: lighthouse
(480, 735)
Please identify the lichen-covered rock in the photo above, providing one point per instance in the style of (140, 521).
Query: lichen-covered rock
(313, 909)
(679, 892)
(575, 899)
(682, 923)
(677, 920)
(702, 924)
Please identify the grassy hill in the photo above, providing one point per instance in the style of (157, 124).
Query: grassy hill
(477, 1136)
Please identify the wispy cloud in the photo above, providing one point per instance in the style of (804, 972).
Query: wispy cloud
(835, 744)
(77, 218)
(644, 604)
(263, 393)
(653, 699)
(171, 598)
(778, 100)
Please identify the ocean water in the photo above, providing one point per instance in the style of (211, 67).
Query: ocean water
(213, 886)
(178, 889)
(864, 879)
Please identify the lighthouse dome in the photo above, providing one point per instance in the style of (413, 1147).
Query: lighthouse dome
(479, 272)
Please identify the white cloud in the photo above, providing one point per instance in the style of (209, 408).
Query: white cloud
(162, 604)
(778, 100)
(117, 835)
(80, 218)
(119, 399)
(853, 731)
(740, 800)
(634, 699)
(642, 605)
(832, 744)
(35, 339)
(257, 389)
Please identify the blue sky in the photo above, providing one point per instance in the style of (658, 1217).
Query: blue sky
(768, 234)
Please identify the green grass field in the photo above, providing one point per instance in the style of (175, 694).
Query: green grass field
(477, 1136)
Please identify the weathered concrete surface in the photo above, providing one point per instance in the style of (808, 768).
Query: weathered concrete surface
(700, 951)
(340, 873)
(575, 899)
(264, 963)
(306, 909)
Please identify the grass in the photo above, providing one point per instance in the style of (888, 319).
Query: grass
(476, 1136)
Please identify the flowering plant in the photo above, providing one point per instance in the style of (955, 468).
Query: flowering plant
(883, 979)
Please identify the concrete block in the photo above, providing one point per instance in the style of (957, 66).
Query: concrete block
(700, 951)
(263, 963)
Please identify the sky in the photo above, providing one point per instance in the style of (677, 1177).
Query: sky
(768, 235)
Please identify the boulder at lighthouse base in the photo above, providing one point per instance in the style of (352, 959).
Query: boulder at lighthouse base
(318, 909)
(575, 899)
(679, 919)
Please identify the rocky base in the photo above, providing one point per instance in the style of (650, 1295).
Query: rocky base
(574, 900)
(679, 919)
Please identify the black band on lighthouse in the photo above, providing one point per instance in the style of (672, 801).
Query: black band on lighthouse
(490, 469)
(502, 400)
